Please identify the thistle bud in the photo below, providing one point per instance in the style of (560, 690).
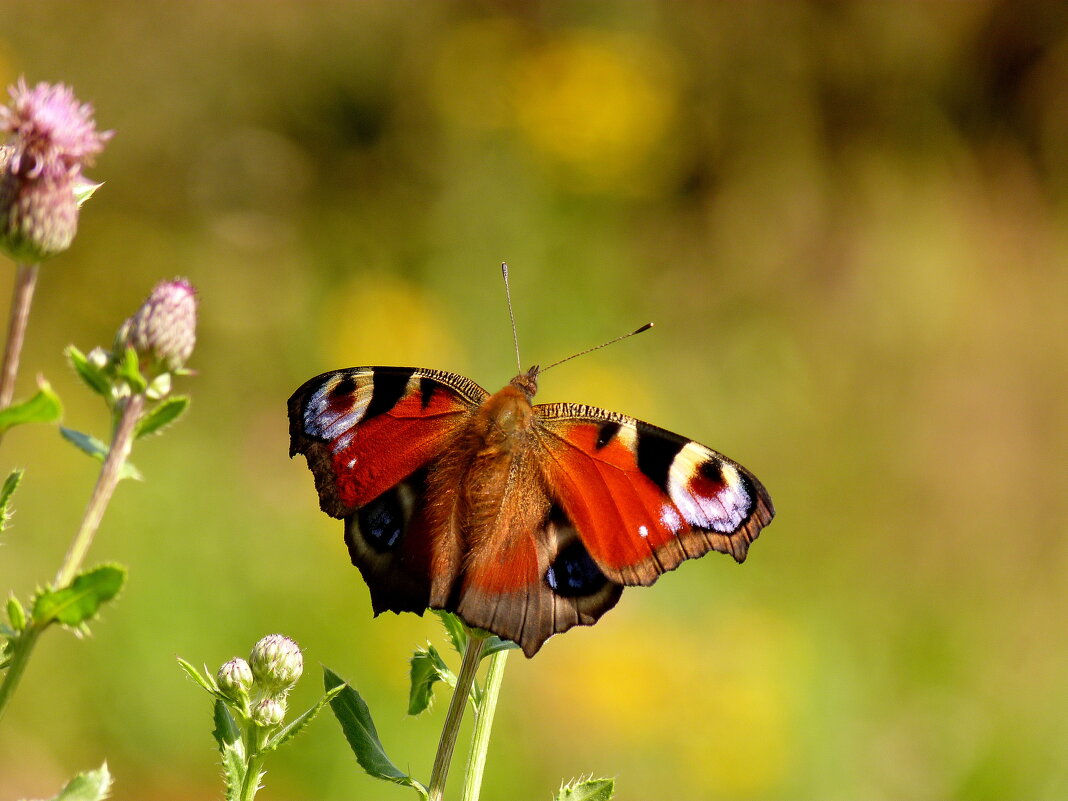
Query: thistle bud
(163, 330)
(276, 663)
(41, 183)
(268, 712)
(235, 679)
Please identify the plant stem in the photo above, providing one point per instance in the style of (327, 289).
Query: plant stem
(121, 443)
(21, 299)
(23, 646)
(253, 765)
(476, 759)
(451, 729)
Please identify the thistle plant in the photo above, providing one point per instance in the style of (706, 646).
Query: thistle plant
(250, 708)
(134, 381)
(51, 137)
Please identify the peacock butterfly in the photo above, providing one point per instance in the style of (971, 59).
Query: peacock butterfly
(524, 520)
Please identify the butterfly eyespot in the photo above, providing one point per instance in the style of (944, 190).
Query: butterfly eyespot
(574, 573)
(382, 521)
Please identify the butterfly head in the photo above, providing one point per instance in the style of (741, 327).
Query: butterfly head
(527, 382)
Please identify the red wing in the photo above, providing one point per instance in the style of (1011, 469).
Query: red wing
(365, 429)
(644, 499)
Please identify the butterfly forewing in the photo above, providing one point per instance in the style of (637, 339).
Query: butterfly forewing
(366, 428)
(642, 498)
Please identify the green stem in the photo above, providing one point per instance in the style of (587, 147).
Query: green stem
(476, 759)
(254, 764)
(23, 646)
(451, 729)
(21, 299)
(121, 443)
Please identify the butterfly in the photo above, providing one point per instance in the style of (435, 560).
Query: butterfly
(523, 519)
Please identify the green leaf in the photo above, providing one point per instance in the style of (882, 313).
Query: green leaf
(83, 190)
(294, 728)
(232, 748)
(203, 679)
(495, 644)
(98, 450)
(427, 668)
(587, 790)
(80, 601)
(11, 483)
(130, 370)
(454, 629)
(93, 376)
(16, 614)
(226, 732)
(93, 785)
(355, 719)
(162, 416)
(44, 407)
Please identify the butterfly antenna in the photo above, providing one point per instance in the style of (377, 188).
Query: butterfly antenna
(645, 327)
(511, 314)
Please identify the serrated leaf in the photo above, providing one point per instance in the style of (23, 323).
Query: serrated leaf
(202, 679)
(162, 416)
(587, 790)
(11, 483)
(359, 730)
(226, 731)
(80, 601)
(93, 785)
(98, 450)
(43, 407)
(454, 630)
(92, 375)
(427, 668)
(231, 748)
(298, 724)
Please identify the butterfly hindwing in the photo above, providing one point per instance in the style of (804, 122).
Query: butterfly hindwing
(642, 498)
(525, 574)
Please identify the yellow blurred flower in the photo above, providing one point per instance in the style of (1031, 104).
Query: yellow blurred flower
(598, 103)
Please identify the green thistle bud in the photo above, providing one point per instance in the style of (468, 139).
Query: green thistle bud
(163, 330)
(235, 679)
(41, 183)
(268, 712)
(276, 663)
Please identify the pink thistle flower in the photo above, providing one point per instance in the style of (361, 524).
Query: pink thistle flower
(51, 129)
(52, 136)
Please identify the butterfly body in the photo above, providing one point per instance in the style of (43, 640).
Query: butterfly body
(523, 519)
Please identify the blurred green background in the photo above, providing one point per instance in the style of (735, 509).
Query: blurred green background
(847, 221)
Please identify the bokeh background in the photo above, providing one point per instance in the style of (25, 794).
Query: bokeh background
(846, 219)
